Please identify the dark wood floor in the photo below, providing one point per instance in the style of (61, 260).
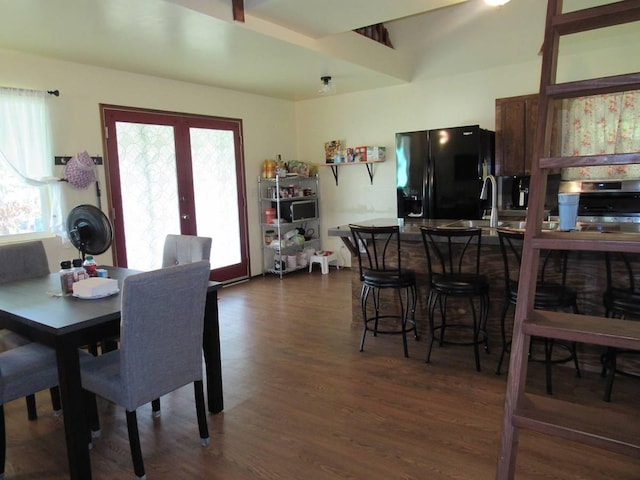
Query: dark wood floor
(301, 402)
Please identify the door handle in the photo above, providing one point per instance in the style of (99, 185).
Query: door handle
(186, 216)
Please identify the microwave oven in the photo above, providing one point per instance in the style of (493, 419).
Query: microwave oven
(296, 211)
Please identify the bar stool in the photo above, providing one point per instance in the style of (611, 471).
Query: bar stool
(621, 300)
(379, 261)
(453, 261)
(550, 295)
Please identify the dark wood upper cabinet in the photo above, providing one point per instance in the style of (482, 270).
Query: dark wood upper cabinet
(516, 119)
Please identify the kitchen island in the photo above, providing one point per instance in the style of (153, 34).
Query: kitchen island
(586, 273)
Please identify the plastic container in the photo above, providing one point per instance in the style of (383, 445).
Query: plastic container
(568, 210)
(66, 277)
(269, 215)
(280, 263)
(79, 272)
(268, 237)
(90, 266)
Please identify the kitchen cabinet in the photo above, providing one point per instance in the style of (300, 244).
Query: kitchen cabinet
(516, 120)
(289, 222)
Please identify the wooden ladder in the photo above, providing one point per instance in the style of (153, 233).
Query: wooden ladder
(597, 427)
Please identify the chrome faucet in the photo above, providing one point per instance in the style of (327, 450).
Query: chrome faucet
(493, 222)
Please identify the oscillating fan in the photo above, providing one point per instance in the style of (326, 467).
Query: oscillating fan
(89, 230)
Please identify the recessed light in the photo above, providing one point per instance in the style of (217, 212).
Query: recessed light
(496, 3)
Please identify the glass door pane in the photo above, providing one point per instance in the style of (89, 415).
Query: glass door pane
(216, 193)
(147, 160)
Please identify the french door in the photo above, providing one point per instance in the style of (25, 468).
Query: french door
(175, 173)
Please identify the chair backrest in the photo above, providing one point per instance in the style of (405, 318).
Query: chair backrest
(622, 295)
(452, 250)
(511, 248)
(161, 331)
(20, 261)
(378, 248)
(179, 249)
(553, 269)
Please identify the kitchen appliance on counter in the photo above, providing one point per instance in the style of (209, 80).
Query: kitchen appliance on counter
(606, 201)
(439, 172)
(520, 191)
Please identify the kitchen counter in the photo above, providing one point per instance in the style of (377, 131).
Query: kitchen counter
(585, 274)
(410, 231)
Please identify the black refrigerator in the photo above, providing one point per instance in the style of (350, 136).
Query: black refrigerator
(439, 172)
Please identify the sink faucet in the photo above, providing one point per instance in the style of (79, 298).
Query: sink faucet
(493, 222)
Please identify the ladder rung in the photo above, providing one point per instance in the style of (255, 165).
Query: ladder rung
(597, 17)
(597, 86)
(587, 241)
(595, 426)
(608, 332)
(590, 160)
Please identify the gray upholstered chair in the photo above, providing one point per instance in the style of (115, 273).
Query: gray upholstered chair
(160, 346)
(21, 261)
(178, 250)
(24, 370)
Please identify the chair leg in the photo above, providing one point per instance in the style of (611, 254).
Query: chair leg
(3, 441)
(431, 306)
(32, 412)
(93, 418)
(574, 353)
(476, 331)
(134, 444)
(364, 294)
(404, 312)
(548, 350)
(611, 360)
(155, 408)
(414, 302)
(443, 316)
(201, 412)
(505, 344)
(376, 307)
(56, 404)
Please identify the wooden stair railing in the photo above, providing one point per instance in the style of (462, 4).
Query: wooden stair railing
(377, 32)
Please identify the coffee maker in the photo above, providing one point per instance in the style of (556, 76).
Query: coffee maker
(520, 191)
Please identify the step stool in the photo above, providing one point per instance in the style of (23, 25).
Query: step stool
(324, 261)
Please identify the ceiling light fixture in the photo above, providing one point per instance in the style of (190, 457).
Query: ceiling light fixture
(326, 87)
(496, 3)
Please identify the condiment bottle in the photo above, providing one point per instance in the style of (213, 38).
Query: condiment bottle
(66, 277)
(90, 266)
(79, 273)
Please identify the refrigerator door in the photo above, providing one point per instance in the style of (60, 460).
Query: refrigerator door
(454, 172)
(411, 163)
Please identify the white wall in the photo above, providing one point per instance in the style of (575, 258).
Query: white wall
(268, 124)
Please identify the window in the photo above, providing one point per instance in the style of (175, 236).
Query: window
(29, 195)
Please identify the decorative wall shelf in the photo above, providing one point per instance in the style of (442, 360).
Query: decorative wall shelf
(336, 166)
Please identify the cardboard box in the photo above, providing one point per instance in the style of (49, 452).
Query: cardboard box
(370, 154)
(360, 154)
(376, 154)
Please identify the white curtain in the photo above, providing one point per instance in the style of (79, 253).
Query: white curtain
(26, 163)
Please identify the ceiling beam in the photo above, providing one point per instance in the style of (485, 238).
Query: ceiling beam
(238, 10)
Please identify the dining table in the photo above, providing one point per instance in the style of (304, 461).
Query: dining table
(37, 309)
